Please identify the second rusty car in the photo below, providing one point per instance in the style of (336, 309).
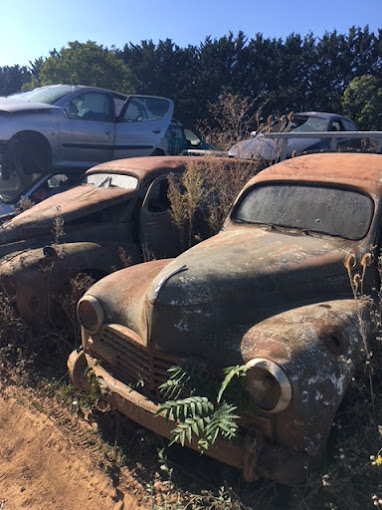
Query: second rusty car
(117, 215)
(272, 292)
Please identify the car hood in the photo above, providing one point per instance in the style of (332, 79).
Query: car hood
(10, 105)
(207, 298)
(70, 205)
(203, 301)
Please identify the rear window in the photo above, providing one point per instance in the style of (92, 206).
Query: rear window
(106, 180)
(327, 210)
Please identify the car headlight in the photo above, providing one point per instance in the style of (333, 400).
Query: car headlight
(268, 385)
(90, 313)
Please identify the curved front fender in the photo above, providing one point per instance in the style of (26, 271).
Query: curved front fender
(37, 278)
(319, 347)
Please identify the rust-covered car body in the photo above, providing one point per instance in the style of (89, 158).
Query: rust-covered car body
(270, 291)
(117, 215)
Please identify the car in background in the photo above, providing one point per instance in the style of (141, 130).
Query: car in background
(119, 214)
(179, 139)
(12, 200)
(259, 147)
(272, 293)
(72, 128)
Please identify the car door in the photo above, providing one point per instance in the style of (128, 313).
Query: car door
(141, 125)
(87, 130)
(157, 234)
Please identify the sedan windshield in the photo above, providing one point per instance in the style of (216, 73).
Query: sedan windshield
(46, 95)
(332, 211)
(109, 180)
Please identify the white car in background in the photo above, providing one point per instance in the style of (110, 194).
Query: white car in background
(72, 128)
(268, 149)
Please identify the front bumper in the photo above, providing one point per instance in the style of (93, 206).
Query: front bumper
(252, 454)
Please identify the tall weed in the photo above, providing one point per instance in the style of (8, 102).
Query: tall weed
(202, 197)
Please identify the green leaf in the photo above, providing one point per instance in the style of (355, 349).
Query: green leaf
(230, 373)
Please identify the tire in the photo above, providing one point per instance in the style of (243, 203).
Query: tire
(27, 154)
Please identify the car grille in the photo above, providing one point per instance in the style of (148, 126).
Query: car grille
(129, 361)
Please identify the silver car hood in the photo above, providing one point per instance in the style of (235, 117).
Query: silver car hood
(10, 105)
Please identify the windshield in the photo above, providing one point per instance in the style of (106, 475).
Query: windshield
(46, 95)
(106, 180)
(302, 123)
(333, 211)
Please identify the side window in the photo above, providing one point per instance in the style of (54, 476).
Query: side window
(158, 200)
(143, 109)
(53, 185)
(349, 125)
(135, 112)
(336, 126)
(91, 106)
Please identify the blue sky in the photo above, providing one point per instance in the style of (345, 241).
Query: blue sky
(31, 28)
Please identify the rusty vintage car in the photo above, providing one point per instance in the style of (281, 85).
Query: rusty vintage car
(270, 291)
(119, 213)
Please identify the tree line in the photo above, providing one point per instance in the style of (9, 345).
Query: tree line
(339, 73)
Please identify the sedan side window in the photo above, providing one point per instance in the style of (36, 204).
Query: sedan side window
(91, 106)
(135, 111)
(336, 126)
(158, 198)
(143, 108)
(349, 126)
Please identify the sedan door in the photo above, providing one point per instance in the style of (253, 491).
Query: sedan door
(141, 126)
(158, 235)
(87, 131)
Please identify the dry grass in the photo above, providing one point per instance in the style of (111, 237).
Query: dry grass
(202, 197)
(233, 120)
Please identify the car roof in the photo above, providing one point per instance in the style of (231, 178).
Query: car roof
(88, 87)
(142, 167)
(359, 170)
(323, 115)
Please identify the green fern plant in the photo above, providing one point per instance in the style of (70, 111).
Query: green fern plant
(202, 417)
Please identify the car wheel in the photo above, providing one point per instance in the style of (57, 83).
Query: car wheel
(26, 154)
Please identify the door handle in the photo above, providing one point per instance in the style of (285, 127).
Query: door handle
(107, 131)
(156, 131)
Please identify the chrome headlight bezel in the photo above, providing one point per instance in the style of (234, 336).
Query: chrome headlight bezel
(90, 313)
(278, 377)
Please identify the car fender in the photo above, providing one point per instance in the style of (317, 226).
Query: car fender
(318, 349)
(33, 278)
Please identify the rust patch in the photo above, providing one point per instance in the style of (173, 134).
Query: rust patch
(332, 339)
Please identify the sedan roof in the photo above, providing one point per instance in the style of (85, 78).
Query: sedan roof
(142, 167)
(362, 171)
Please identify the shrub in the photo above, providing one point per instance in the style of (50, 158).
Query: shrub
(202, 197)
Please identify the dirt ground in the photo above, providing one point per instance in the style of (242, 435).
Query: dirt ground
(43, 466)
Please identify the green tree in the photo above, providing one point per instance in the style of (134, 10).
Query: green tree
(12, 79)
(362, 101)
(86, 64)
